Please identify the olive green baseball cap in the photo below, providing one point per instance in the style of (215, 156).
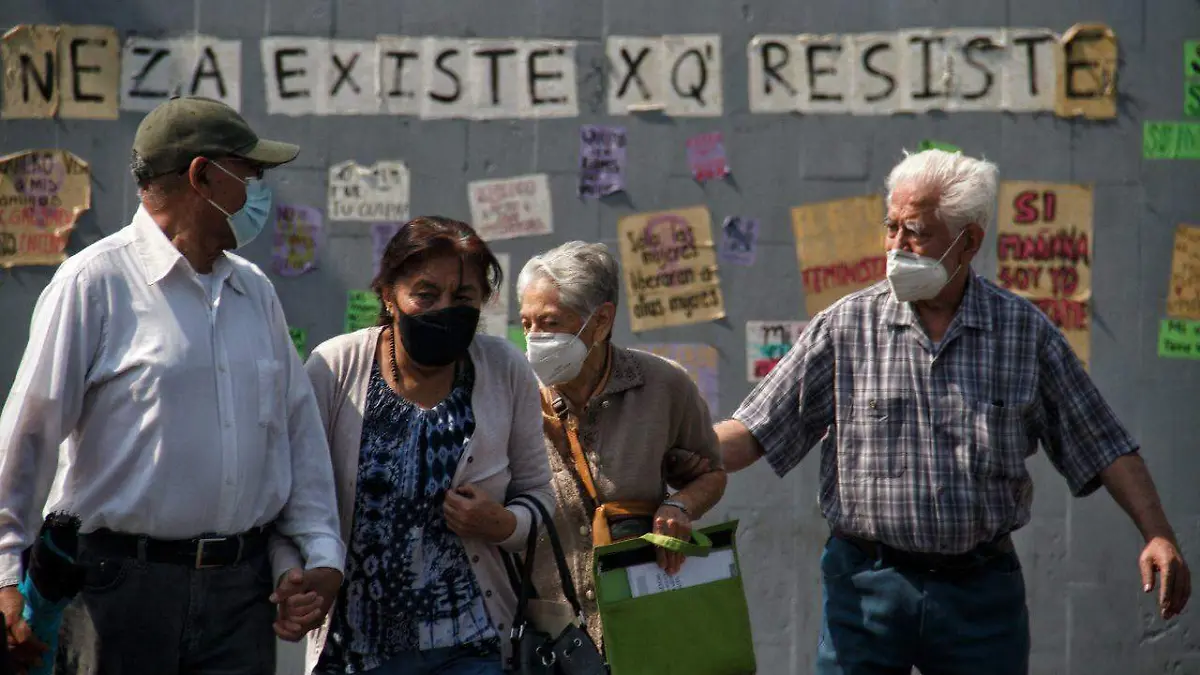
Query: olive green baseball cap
(185, 127)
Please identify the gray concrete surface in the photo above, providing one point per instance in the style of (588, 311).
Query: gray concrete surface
(1088, 614)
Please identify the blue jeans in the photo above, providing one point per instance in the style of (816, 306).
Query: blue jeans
(880, 620)
(461, 660)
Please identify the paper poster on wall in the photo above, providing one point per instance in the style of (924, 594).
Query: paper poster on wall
(381, 236)
(299, 338)
(362, 310)
(493, 320)
(43, 192)
(89, 59)
(1179, 339)
(1171, 140)
(739, 241)
(840, 247)
(516, 335)
(1087, 75)
(379, 192)
(154, 70)
(1183, 295)
(670, 267)
(767, 342)
(930, 144)
(1191, 78)
(601, 160)
(1044, 253)
(298, 239)
(30, 60)
(706, 157)
(700, 362)
(507, 208)
(677, 75)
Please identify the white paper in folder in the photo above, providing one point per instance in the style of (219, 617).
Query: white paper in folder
(649, 578)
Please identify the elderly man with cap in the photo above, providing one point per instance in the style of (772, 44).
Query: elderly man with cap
(161, 363)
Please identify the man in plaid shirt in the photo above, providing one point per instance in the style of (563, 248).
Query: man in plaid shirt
(934, 387)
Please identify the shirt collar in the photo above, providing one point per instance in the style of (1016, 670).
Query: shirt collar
(159, 256)
(973, 312)
(623, 371)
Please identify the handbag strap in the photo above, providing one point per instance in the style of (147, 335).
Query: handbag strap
(570, 429)
(560, 560)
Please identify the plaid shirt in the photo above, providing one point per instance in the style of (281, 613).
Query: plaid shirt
(927, 442)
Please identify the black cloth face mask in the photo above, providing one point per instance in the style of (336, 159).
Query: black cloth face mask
(438, 338)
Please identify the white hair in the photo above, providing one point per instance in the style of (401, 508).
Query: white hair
(965, 187)
(586, 275)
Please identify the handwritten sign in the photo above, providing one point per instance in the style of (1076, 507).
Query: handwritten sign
(1179, 339)
(1044, 253)
(739, 241)
(516, 335)
(362, 310)
(706, 157)
(670, 267)
(1087, 80)
(379, 192)
(1191, 78)
(767, 342)
(299, 338)
(508, 208)
(930, 144)
(42, 194)
(297, 239)
(700, 362)
(601, 160)
(381, 236)
(1183, 296)
(493, 320)
(840, 247)
(1171, 140)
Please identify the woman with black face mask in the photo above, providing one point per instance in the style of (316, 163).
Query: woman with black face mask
(436, 439)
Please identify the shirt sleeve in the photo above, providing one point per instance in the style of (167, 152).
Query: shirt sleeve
(43, 407)
(526, 456)
(1081, 434)
(695, 438)
(791, 409)
(310, 516)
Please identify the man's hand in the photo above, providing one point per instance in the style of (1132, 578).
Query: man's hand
(472, 515)
(1161, 558)
(304, 598)
(24, 647)
(672, 522)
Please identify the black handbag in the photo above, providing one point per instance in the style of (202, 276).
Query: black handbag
(534, 652)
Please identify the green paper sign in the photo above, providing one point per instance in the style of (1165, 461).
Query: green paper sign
(929, 144)
(362, 310)
(1179, 339)
(1171, 140)
(299, 339)
(1191, 99)
(1191, 59)
(516, 335)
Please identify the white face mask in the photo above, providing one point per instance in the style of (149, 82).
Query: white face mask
(915, 277)
(557, 357)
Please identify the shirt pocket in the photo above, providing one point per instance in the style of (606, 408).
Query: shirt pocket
(270, 392)
(999, 439)
(878, 436)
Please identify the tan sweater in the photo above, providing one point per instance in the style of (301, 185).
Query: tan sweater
(506, 456)
(649, 407)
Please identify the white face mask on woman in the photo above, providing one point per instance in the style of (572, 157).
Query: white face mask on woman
(557, 357)
(914, 277)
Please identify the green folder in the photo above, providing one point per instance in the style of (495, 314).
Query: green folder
(699, 630)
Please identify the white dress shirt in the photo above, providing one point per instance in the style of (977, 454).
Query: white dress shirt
(181, 407)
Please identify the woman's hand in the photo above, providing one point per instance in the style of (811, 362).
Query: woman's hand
(471, 514)
(672, 522)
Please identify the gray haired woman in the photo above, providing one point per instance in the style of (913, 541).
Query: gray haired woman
(621, 425)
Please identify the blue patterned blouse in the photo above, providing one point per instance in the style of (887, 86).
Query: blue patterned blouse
(409, 585)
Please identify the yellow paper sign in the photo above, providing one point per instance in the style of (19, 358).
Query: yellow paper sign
(1087, 73)
(840, 247)
(30, 56)
(670, 268)
(1044, 253)
(1183, 297)
(42, 193)
(89, 72)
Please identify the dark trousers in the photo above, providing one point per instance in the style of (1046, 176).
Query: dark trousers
(143, 618)
(883, 620)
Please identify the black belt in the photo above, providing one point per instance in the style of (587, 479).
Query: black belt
(931, 562)
(200, 553)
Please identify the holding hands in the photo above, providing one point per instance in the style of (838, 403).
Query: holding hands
(304, 598)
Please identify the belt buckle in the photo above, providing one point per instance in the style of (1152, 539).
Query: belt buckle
(200, 543)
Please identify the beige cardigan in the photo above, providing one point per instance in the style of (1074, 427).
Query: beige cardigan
(506, 456)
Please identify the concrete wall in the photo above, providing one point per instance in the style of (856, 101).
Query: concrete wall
(1080, 556)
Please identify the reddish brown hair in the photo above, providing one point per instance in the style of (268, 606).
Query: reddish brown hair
(426, 237)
